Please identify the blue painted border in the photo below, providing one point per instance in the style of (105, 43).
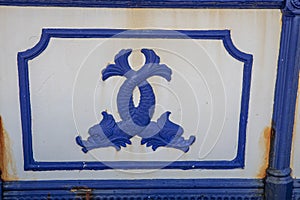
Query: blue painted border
(136, 189)
(47, 34)
(250, 4)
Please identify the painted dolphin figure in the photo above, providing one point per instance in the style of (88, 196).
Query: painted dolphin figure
(136, 120)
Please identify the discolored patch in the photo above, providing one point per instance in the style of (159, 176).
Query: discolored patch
(264, 144)
(7, 164)
(82, 192)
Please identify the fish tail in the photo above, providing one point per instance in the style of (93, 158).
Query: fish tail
(121, 66)
(152, 66)
(150, 55)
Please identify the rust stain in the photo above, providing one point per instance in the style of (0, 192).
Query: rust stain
(137, 18)
(264, 143)
(7, 164)
(82, 192)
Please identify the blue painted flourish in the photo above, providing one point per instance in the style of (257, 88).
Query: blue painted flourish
(136, 120)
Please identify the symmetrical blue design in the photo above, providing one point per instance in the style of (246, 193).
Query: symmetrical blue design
(224, 35)
(136, 120)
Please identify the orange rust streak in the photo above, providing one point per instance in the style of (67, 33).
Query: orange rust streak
(82, 192)
(7, 165)
(264, 143)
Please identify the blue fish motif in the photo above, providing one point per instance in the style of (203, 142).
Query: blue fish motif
(136, 120)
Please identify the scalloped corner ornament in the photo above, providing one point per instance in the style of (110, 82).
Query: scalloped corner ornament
(136, 121)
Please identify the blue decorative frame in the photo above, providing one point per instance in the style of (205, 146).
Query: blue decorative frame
(47, 34)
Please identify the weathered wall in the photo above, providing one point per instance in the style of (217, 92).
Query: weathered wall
(52, 76)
